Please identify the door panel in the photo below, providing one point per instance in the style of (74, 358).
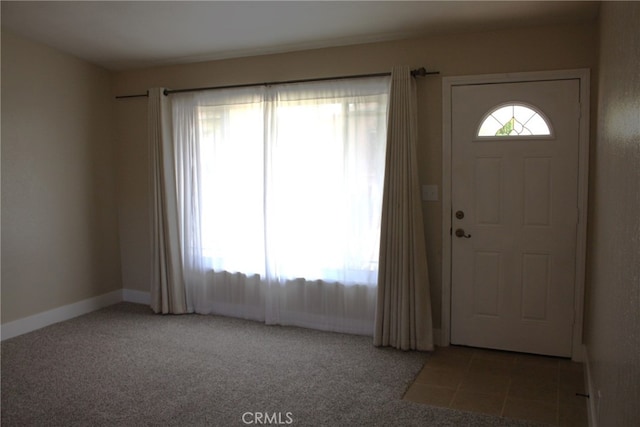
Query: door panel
(513, 266)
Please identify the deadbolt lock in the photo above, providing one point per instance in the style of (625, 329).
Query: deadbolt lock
(459, 214)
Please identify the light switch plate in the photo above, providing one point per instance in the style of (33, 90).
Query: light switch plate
(430, 193)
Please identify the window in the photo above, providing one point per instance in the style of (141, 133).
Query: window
(514, 120)
(289, 179)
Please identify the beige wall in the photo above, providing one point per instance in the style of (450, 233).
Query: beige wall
(59, 229)
(613, 312)
(528, 49)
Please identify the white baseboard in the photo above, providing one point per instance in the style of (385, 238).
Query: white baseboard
(591, 390)
(60, 314)
(139, 297)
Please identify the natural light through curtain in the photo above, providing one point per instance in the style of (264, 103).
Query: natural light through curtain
(280, 193)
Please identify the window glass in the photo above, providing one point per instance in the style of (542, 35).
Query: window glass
(514, 120)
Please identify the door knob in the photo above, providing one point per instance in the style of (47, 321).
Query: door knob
(460, 233)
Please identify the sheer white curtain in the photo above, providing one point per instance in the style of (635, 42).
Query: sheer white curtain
(280, 193)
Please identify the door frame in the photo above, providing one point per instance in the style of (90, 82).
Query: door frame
(583, 75)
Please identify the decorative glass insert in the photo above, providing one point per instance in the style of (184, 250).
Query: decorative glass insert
(514, 120)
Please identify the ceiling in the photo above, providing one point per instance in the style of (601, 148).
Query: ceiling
(122, 35)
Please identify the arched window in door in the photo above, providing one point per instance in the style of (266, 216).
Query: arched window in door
(514, 120)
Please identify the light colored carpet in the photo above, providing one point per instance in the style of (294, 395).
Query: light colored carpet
(124, 366)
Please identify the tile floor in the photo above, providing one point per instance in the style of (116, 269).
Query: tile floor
(511, 385)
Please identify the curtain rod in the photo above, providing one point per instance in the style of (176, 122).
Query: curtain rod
(420, 72)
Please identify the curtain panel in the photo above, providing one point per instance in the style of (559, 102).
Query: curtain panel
(168, 293)
(403, 315)
(279, 195)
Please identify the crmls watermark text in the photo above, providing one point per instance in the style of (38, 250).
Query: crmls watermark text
(267, 418)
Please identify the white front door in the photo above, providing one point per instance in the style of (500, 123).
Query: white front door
(514, 215)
